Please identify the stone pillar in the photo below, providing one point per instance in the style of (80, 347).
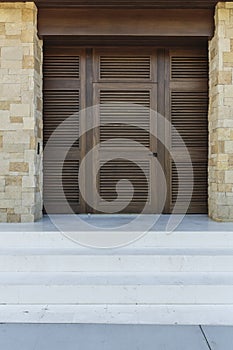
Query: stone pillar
(20, 113)
(221, 115)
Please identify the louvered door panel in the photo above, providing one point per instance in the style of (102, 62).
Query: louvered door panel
(125, 90)
(138, 175)
(125, 67)
(117, 65)
(189, 67)
(188, 97)
(188, 116)
(58, 67)
(59, 105)
(124, 115)
(63, 95)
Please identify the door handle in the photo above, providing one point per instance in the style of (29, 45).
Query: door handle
(153, 154)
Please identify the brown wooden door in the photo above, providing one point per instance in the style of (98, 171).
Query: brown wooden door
(125, 93)
(64, 97)
(125, 86)
(186, 107)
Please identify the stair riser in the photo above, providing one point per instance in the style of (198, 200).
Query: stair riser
(119, 314)
(136, 263)
(109, 294)
(178, 240)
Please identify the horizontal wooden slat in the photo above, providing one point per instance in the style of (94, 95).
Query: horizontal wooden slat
(125, 114)
(53, 172)
(189, 67)
(61, 67)
(189, 116)
(182, 184)
(125, 67)
(137, 173)
(58, 107)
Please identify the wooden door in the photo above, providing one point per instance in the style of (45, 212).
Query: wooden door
(186, 107)
(125, 95)
(64, 97)
(126, 88)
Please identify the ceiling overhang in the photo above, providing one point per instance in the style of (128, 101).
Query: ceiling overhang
(159, 4)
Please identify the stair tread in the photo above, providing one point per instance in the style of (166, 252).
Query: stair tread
(116, 278)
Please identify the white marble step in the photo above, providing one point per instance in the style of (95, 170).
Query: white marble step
(116, 288)
(162, 240)
(188, 314)
(131, 260)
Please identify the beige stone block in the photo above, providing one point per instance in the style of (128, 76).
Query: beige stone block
(21, 167)
(224, 188)
(16, 137)
(228, 57)
(28, 123)
(11, 64)
(223, 14)
(13, 28)
(224, 78)
(12, 148)
(16, 157)
(222, 165)
(16, 120)
(27, 218)
(4, 168)
(228, 123)
(27, 36)
(228, 91)
(11, 79)
(2, 29)
(28, 15)
(223, 134)
(28, 198)
(230, 160)
(29, 156)
(223, 212)
(13, 218)
(20, 110)
(229, 147)
(10, 15)
(229, 177)
(4, 105)
(221, 198)
(3, 217)
(27, 96)
(222, 157)
(28, 181)
(12, 53)
(21, 210)
(28, 62)
(13, 180)
(13, 192)
(229, 32)
(229, 5)
(10, 92)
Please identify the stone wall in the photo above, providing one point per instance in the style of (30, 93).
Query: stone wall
(20, 113)
(221, 115)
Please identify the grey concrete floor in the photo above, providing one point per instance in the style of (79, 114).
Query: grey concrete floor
(113, 337)
(194, 223)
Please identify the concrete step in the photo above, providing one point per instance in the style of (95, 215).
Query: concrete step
(117, 288)
(146, 260)
(160, 279)
(160, 240)
(119, 314)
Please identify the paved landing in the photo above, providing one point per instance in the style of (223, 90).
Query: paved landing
(114, 337)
